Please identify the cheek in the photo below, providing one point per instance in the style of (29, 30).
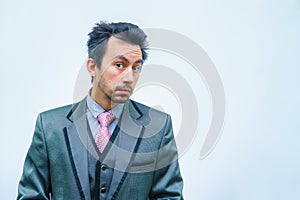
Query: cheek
(113, 80)
(136, 78)
(109, 81)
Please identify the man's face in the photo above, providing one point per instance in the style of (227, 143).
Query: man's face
(115, 79)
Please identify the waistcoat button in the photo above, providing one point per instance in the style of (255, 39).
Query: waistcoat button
(103, 190)
(103, 167)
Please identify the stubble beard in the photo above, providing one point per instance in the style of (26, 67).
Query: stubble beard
(119, 98)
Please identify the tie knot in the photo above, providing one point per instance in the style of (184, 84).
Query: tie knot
(105, 118)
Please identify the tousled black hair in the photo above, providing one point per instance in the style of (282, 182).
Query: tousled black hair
(127, 32)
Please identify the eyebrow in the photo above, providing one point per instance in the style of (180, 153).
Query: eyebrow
(121, 57)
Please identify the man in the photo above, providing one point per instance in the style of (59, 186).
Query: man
(106, 146)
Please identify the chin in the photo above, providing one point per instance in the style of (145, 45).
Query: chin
(119, 99)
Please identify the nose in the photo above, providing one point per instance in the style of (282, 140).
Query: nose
(128, 76)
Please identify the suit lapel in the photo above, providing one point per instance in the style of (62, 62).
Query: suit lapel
(77, 141)
(125, 145)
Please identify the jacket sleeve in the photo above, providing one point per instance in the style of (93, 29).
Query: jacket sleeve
(34, 182)
(167, 182)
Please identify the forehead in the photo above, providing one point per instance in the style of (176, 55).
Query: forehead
(116, 47)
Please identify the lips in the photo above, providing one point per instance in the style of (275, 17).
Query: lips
(123, 92)
(123, 89)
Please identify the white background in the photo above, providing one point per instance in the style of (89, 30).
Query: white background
(254, 44)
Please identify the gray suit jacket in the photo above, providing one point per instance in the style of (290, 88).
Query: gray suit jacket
(143, 155)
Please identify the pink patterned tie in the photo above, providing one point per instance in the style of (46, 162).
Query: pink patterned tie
(103, 134)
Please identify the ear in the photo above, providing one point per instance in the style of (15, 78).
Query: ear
(91, 67)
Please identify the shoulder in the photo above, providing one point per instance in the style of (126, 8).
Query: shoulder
(145, 108)
(59, 113)
(150, 113)
(62, 110)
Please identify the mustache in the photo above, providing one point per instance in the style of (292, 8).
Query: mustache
(125, 87)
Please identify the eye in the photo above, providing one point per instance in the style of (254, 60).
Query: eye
(120, 65)
(136, 68)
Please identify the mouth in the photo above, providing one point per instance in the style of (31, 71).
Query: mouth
(123, 91)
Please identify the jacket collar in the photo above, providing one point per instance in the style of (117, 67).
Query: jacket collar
(79, 109)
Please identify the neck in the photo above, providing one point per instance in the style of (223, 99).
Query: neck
(103, 101)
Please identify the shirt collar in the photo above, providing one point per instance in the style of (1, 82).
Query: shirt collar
(96, 109)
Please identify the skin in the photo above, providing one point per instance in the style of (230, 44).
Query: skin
(116, 78)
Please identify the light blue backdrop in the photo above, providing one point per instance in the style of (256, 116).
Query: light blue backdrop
(254, 44)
